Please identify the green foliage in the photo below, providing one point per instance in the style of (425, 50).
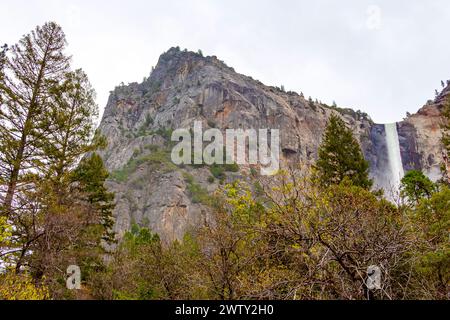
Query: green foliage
(304, 242)
(166, 133)
(287, 239)
(5, 231)
(139, 236)
(91, 175)
(57, 205)
(21, 287)
(152, 147)
(358, 115)
(73, 114)
(143, 129)
(232, 167)
(197, 193)
(145, 269)
(415, 186)
(29, 84)
(431, 224)
(340, 157)
(159, 158)
(259, 190)
(218, 170)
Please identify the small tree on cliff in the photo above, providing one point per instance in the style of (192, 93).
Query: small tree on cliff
(340, 157)
(415, 186)
(446, 140)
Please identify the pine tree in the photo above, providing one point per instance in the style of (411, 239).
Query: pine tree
(71, 117)
(416, 186)
(72, 114)
(340, 157)
(59, 208)
(91, 176)
(32, 68)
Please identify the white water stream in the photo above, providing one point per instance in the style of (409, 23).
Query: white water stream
(394, 156)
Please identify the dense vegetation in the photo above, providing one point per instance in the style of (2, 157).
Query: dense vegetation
(298, 235)
(54, 210)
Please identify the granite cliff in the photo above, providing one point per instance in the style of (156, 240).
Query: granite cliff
(184, 87)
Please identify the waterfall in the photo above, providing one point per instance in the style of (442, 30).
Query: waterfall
(394, 155)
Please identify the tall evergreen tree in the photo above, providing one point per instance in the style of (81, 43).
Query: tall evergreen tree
(90, 176)
(55, 199)
(70, 117)
(340, 157)
(32, 69)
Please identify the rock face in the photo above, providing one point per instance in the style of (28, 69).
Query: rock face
(185, 87)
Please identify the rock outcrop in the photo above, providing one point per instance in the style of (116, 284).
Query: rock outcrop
(185, 87)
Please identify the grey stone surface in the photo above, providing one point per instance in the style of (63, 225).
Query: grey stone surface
(184, 87)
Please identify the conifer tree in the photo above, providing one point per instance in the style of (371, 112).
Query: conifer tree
(54, 198)
(416, 186)
(340, 157)
(91, 176)
(32, 69)
(70, 117)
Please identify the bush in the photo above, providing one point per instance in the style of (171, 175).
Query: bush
(159, 158)
(196, 192)
(217, 171)
(233, 167)
(166, 133)
(21, 287)
(415, 186)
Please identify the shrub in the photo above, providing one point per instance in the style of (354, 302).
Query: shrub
(196, 192)
(159, 158)
(217, 171)
(233, 167)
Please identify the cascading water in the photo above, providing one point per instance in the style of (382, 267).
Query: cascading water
(394, 156)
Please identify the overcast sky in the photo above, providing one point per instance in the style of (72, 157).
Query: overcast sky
(383, 57)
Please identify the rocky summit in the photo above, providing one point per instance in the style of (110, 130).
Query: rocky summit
(185, 87)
